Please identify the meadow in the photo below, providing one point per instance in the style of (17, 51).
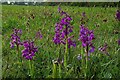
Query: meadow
(102, 64)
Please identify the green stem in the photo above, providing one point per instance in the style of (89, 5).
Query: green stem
(17, 50)
(83, 62)
(54, 70)
(86, 68)
(65, 55)
(58, 51)
(86, 62)
(30, 69)
(18, 55)
(66, 48)
(60, 70)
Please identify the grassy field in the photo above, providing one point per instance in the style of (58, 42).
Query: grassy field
(45, 17)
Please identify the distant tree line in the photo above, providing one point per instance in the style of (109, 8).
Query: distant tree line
(86, 4)
(80, 4)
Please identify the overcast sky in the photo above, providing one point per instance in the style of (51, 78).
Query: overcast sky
(22, 0)
(59, 0)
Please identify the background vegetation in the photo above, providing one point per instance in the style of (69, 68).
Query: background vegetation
(100, 19)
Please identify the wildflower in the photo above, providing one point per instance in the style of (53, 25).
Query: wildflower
(83, 14)
(59, 9)
(29, 50)
(79, 57)
(118, 15)
(15, 38)
(63, 29)
(71, 42)
(39, 35)
(86, 37)
(104, 49)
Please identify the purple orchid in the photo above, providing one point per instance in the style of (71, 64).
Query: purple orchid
(63, 29)
(118, 15)
(39, 35)
(86, 37)
(15, 38)
(103, 49)
(83, 14)
(29, 50)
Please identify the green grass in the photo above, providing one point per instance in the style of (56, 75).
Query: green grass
(101, 65)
